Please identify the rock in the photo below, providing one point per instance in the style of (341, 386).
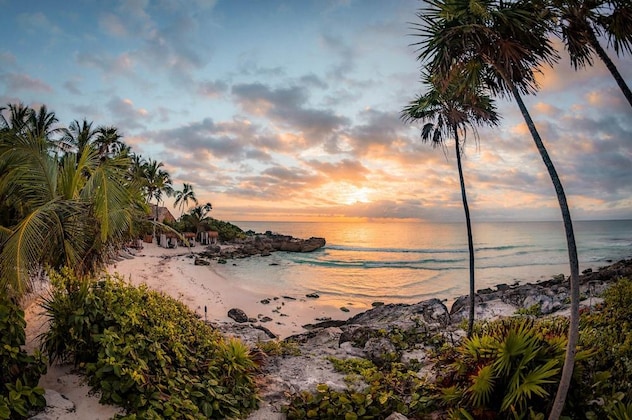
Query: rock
(57, 406)
(238, 315)
(378, 303)
(380, 350)
(200, 261)
(312, 295)
(265, 319)
(358, 335)
(397, 416)
(344, 309)
(288, 297)
(265, 301)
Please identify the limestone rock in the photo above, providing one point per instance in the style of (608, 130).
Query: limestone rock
(238, 315)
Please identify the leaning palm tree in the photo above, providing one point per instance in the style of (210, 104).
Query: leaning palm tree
(183, 197)
(447, 112)
(505, 44)
(583, 21)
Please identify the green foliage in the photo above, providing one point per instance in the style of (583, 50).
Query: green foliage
(19, 371)
(227, 231)
(507, 368)
(608, 332)
(394, 390)
(533, 310)
(147, 352)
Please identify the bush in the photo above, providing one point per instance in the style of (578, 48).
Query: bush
(19, 372)
(606, 384)
(387, 391)
(508, 368)
(147, 352)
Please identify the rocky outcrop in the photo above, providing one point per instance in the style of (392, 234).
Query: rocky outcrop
(262, 244)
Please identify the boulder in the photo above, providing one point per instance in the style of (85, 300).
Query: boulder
(238, 315)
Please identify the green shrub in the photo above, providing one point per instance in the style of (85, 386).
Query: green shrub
(147, 352)
(397, 389)
(607, 330)
(508, 368)
(19, 372)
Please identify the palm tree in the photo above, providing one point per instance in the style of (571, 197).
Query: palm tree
(504, 43)
(68, 209)
(42, 123)
(108, 141)
(183, 197)
(78, 136)
(446, 113)
(157, 182)
(17, 118)
(583, 21)
(198, 217)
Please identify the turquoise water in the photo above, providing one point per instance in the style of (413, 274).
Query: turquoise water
(409, 262)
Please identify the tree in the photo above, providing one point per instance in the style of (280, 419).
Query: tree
(183, 197)
(108, 141)
(583, 21)
(446, 113)
(198, 217)
(68, 210)
(78, 136)
(157, 181)
(504, 44)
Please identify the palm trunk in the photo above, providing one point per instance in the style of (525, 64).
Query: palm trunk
(470, 241)
(594, 42)
(573, 329)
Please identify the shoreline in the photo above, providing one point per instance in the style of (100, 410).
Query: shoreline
(173, 272)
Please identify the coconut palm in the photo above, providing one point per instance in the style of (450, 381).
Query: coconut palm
(505, 43)
(78, 136)
(108, 141)
(15, 117)
(447, 113)
(69, 209)
(183, 197)
(582, 22)
(42, 123)
(198, 217)
(156, 183)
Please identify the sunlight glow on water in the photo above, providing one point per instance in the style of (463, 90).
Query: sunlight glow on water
(410, 262)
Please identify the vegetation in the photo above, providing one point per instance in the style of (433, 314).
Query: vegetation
(19, 372)
(508, 368)
(147, 352)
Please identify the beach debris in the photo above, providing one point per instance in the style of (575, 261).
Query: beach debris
(237, 315)
(288, 297)
(312, 295)
(200, 261)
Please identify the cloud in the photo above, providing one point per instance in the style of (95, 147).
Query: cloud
(127, 115)
(212, 89)
(24, 82)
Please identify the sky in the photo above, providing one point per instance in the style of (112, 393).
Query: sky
(290, 110)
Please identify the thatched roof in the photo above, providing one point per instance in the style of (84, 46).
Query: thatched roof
(163, 214)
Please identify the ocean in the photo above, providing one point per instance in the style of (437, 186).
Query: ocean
(409, 262)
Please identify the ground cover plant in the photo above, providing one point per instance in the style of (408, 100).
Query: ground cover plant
(19, 371)
(146, 351)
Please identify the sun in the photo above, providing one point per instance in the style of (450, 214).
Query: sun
(354, 195)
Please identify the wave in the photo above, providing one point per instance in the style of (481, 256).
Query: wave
(422, 250)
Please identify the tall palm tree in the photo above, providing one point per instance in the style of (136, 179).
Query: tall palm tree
(447, 112)
(157, 182)
(184, 196)
(15, 117)
(505, 43)
(42, 123)
(583, 21)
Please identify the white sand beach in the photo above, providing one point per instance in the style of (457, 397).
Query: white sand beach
(172, 271)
